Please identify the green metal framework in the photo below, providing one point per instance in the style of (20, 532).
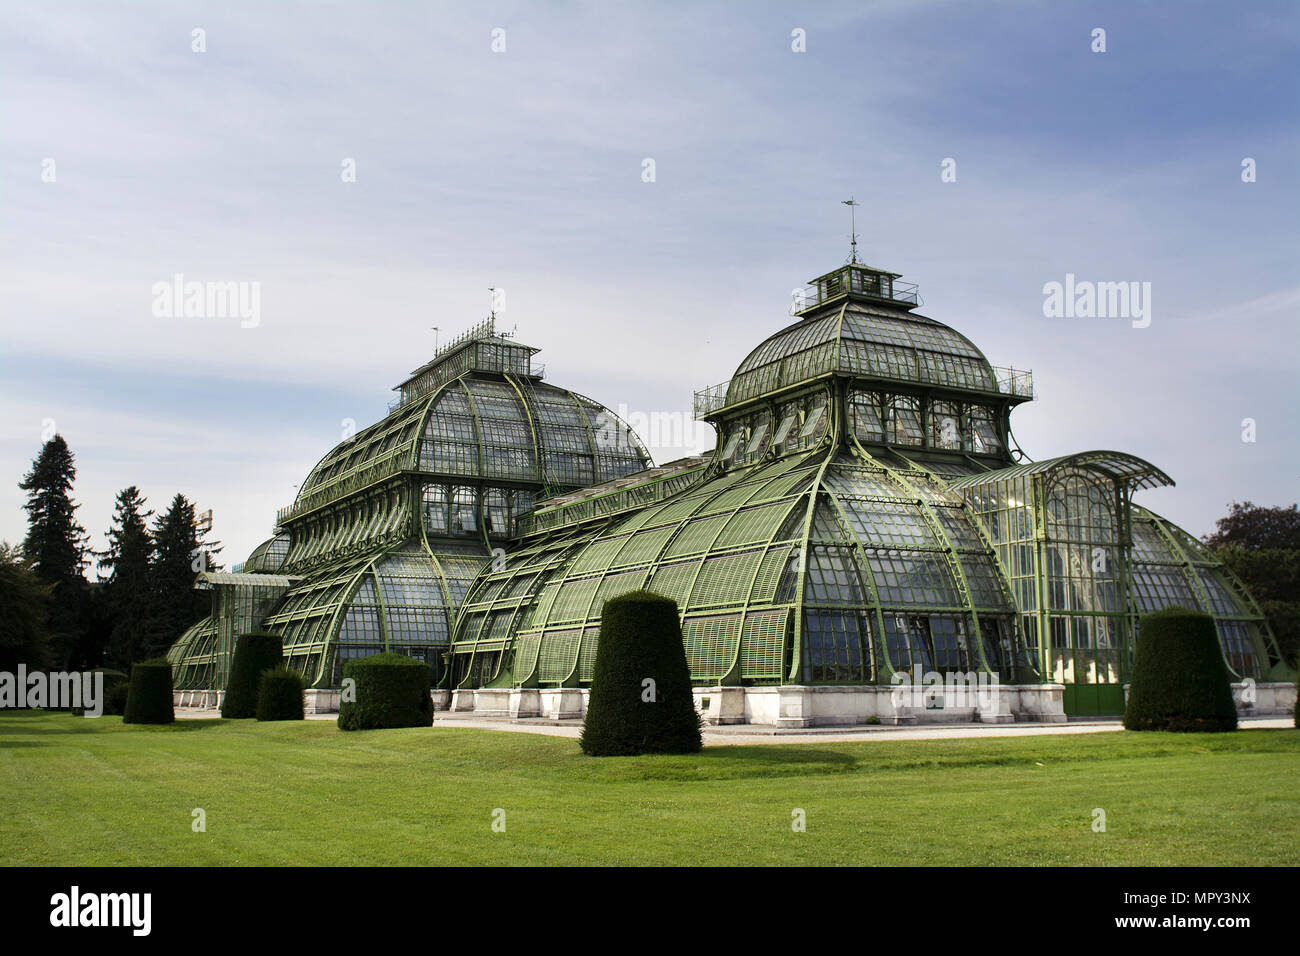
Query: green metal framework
(393, 524)
(866, 512)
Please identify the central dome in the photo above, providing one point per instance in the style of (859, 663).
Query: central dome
(858, 321)
(861, 339)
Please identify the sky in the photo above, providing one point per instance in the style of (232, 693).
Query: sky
(372, 169)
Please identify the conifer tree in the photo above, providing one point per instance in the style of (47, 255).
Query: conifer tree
(124, 569)
(181, 552)
(56, 545)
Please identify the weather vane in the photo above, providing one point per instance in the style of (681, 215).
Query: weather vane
(853, 225)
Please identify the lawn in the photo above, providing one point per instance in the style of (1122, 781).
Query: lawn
(94, 792)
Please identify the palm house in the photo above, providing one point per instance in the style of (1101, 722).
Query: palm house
(865, 524)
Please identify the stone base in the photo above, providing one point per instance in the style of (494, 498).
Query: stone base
(826, 706)
(792, 707)
(492, 702)
(1264, 699)
(563, 703)
(1259, 698)
(199, 699)
(720, 705)
(324, 701)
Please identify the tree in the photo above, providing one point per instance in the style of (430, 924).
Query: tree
(1262, 547)
(24, 607)
(56, 544)
(1256, 528)
(127, 585)
(181, 552)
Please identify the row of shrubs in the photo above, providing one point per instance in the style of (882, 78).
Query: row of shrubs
(641, 699)
(383, 690)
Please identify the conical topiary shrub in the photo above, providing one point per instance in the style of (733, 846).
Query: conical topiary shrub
(255, 654)
(1180, 681)
(149, 697)
(279, 695)
(641, 701)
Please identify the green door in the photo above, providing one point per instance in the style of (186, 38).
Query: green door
(1094, 700)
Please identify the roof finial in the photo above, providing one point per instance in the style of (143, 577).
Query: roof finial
(853, 220)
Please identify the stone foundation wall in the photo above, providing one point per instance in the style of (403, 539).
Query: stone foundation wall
(795, 706)
(200, 699)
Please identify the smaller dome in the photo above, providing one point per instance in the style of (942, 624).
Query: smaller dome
(268, 556)
(866, 340)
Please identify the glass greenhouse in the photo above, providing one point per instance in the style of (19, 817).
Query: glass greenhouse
(865, 515)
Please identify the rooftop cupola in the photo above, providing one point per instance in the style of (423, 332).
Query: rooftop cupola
(481, 349)
(854, 281)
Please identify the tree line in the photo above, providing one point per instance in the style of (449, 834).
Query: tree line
(53, 616)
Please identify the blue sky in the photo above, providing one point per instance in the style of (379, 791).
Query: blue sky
(522, 170)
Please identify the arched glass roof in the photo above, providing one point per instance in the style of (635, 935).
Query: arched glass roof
(1130, 470)
(860, 339)
(884, 572)
(268, 556)
(515, 430)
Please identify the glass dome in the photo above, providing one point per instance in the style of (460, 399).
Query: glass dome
(886, 571)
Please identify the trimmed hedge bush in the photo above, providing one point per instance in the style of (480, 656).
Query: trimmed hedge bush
(279, 695)
(1180, 681)
(255, 654)
(640, 641)
(114, 701)
(391, 690)
(115, 698)
(149, 698)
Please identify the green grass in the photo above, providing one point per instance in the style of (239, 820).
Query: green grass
(92, 792)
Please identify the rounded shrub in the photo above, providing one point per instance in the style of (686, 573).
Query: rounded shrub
(279, 695)
(255, 654)
(1180, 681)
(641, 700)
(113, 700)
(387, 690)
(149, 697)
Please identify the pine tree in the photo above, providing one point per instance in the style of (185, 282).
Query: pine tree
(180, 553)
(127, 584)
(56, 545)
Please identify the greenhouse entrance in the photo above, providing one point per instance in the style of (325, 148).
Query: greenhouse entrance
(1094, 700)
(1061, 530)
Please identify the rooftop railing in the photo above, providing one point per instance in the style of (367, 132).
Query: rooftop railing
(1016, 382)
(658, 484)
(710, 399)
(853, 280)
